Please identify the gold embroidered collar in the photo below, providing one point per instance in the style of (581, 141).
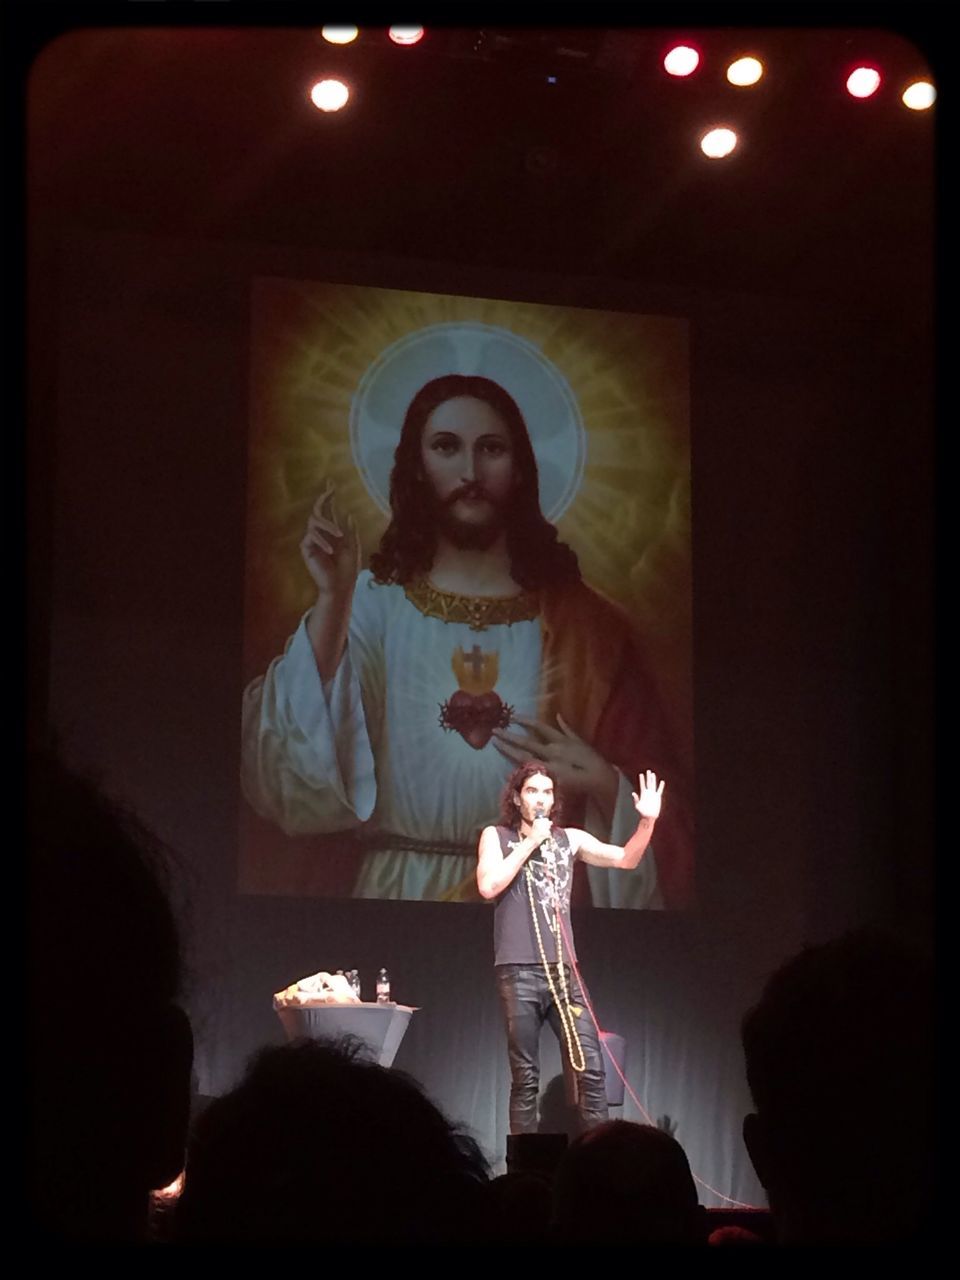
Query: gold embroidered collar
(479, 612)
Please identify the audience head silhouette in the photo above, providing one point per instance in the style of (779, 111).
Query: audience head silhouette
(110, 1050)
(839, 1057)
(625, 1183)
(519, 1205)
(317, 1144)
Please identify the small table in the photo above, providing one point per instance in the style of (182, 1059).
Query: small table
(380, 1026)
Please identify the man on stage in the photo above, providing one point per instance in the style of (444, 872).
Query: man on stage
(526, 864)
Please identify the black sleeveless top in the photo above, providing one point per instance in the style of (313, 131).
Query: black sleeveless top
(549, 883)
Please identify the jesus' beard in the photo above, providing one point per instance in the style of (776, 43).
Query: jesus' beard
(466, 535)
(469, 535)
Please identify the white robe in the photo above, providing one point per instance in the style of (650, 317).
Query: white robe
(367, 749)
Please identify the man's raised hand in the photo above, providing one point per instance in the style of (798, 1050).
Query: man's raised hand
(648, 802)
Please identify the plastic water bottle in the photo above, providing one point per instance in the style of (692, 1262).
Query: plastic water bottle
(353, 977)
(383, 987)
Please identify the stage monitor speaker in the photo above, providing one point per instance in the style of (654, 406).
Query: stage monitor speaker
(535, 1152)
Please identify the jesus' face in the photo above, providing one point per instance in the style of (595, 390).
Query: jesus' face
(467, 458)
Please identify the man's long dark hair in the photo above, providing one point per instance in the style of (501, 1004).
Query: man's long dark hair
(537, 557)
(509, 813)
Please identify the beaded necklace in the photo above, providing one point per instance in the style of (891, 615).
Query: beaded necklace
(572, 1036)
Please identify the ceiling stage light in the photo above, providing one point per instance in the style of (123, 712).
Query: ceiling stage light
(405, 35)
(863, 82)
(681, 61)
(919, 96)
(339, 35)
(745, 71)
(329, 95)
(717, 143)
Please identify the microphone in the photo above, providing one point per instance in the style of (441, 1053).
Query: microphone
(547, 849)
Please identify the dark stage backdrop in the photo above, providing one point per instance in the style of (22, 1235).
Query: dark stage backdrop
(810, 540)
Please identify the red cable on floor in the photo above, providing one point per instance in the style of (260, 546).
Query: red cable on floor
(738, 1204)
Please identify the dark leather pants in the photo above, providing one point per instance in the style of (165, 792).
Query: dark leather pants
(527, 1004)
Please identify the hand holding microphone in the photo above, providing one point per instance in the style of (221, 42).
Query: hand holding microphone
(541, 830)
(541, 827)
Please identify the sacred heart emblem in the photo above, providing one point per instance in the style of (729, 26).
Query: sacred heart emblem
(475, 716)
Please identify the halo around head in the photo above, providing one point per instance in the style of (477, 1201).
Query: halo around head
(542, 393)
